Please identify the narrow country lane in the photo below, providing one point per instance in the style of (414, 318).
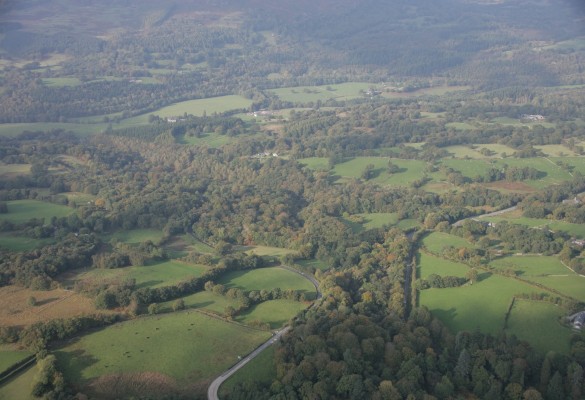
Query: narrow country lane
(212, 391)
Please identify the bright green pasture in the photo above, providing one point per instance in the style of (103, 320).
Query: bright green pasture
(81, 129)
(430, 264)
(213, 140)
(460, 151)
(60, 82)
(482, 305)
(437, 242)
(10, 170)
(498, 148)
(528, 267)
(555, 150)
(274, 312)
(577, 230)
(187, 346)
(304, 94)
(19, 387)
(260, 369)
(412, 170)
(538, 324)
(20, 211)
(365, 221)
(267, 278)
(267, 251)
(554, 174)
(517, 122)
(161, 274)
(10, 357)
(195, 107)
(316, 264)
(468, 168)
(204, 300)
(21, 243)
(136, 236)
(78, 197)
(316, 163)
(569, 284)
(578, 163)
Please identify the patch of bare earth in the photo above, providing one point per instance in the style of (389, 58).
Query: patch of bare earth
(15, 309)
(143, 384)
(510, 186)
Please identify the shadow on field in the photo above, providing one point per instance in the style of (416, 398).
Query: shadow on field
(47, 301)
(483, 276)
(201, 305)
(149, 283)
(73, 363)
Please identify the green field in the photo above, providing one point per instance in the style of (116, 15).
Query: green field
(81, 129)
(136, 236)
(538, 323)
(267, 278)
(555, 150)
(187, 346)
(204, 300)
(10, 357)
(578, 163)
(430, 264)
(13, 170)
(213, 140)
(468, 168)
(267, 251)
(316, 163)
(316, 264)
(261, 369)
(274, 312)
(197, 108)
(20, 243)
(554, 174)
(20, 211)
(577, 230)
(437, 242)
(304, 94)
(531, 266)
(60, 82)
(482, 305)
(569, 284)
(19, 387)
(160, 274)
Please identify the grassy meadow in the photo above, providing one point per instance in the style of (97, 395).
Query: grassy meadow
(437, 242)
(136, 236)
(539, 324)
(21, 243)
(19, 387)
(196, 348)
(267, 278)
(431, 264)
(20, 211)
(10, 357)
(260, 369)
(160, 274)
(482, 305)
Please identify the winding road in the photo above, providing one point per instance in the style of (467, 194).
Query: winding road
(214, 387)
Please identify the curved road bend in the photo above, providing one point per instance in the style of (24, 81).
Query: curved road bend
(214, 387)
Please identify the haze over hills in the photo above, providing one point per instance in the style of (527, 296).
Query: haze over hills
(385, 197)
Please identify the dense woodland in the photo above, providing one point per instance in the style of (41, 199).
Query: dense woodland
(367, 337)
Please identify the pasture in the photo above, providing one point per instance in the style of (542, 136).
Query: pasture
(9, 357)
(305, 94)
(136, 236)
(260, 369)
(316, 264)
(213, 140)
(554, 174)
(196, 348)
(437, 242)
(267, 279)
(14, 129)
(14, 170)
(19, 387)
(267, 251)
(538, 323)
(274, 312)
(555, 150)
(482, 305)
(528, 267)
(429, 264)
(578, 163)
(204, 300)
(154, 275)
(316, 163)
(21, 243)
(20, 211)
(577, 230)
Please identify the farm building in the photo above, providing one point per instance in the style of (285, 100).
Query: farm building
(577, 320)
